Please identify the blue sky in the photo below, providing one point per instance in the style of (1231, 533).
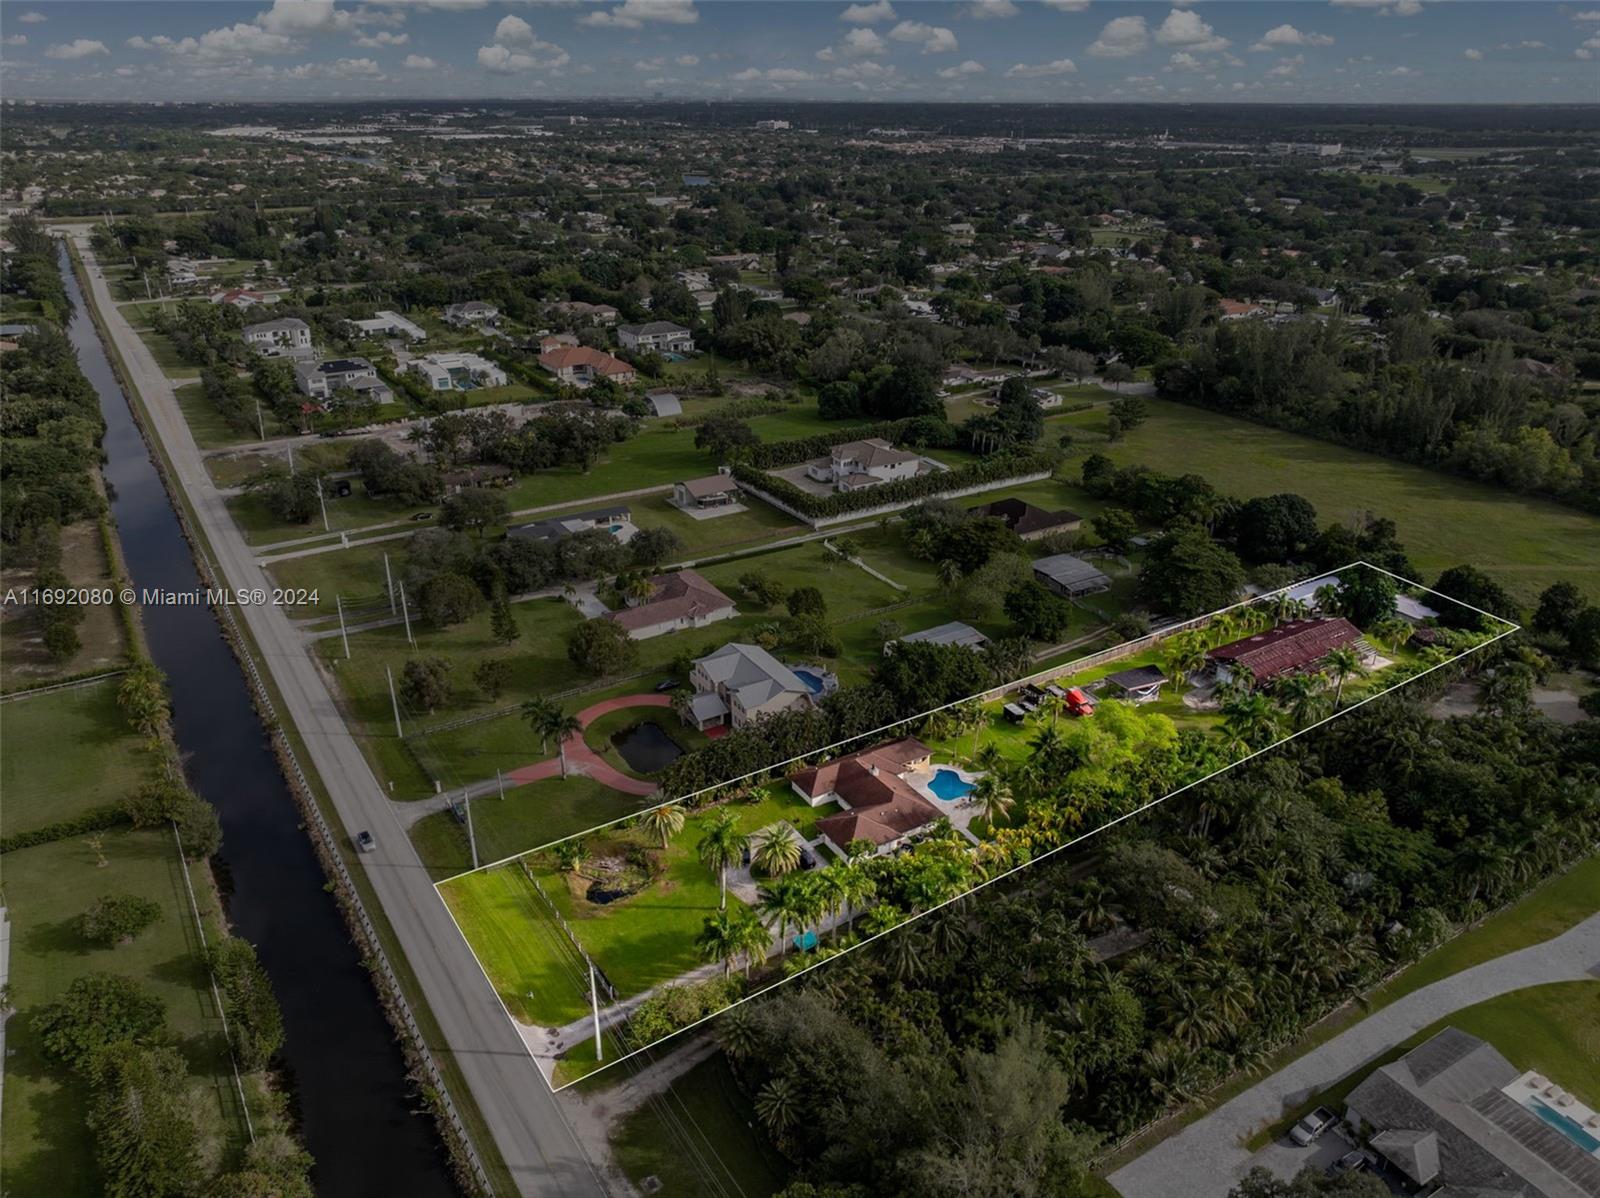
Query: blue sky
(1522, 51)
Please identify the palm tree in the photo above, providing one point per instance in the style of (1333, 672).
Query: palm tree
(1298, 694)
(1093, 913)
(638, 589)
(1343, 661)
(719, 940)
(1392, 631)
(753, 939)
(562, 726)
(993, 795)
(1184, 654)
(779, 902)
(720, 847)
(775, 850)
(858, 889)
(1327, 599)
(1251, 721)
(950, 573)
(665, 821)
(778, 1106)
(541, 713)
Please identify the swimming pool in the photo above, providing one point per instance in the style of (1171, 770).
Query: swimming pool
(1568, 1127)
(948, 784)
(812, 679)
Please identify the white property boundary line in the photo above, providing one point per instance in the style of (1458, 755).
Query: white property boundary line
(1510, 627)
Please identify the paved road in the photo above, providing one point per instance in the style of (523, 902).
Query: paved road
(527, 1121)
(1207, 1158)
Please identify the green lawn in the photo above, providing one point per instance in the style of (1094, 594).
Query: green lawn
(706, 1107)
(167, 357)
(640, 942)
(67, 752)
(1552, 1029)
(1443, 521)
(209, 429)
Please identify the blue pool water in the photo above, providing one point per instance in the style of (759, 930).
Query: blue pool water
(947, 784)
(806, 941)
(813, 681)
(1570, 1128)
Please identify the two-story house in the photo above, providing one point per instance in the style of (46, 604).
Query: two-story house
(278, 337)
(858, 464)
(658, 336)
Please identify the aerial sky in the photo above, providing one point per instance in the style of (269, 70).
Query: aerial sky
(1362, 51)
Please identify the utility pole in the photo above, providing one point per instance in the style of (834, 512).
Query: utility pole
(261, 429)
(324, 503)
(388, 582)
(594, 1005)
(290, 448)
(405, 611)
(343, 635)
(395, 703)
(500, 782)
(472, 841)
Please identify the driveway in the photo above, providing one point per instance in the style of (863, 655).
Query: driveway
(1207, 1158)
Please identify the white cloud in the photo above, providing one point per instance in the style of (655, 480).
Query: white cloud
(687, 60)
(518, 48)
(1384, 8)
(991, 10)
(1122, 37)
(1474, 55)
(868, 14)
(341, 68)
(1185, 28)
(1060, 66)
(1524, 45)
(1591, 14)
(774, 75)
(1184, 61)
(1403, 72)
(303, 16)
(934, 39)
(419, 62)
(866, 69)
(82, 47)
(14, 39)
(1287, 67)
(1582, 53)
(634, 14)
(1288, 35)
(1592, 43)
(37, 18)
(858, 43)
(1067, 5)
(382, 38)
(971, 67)
(239, 41)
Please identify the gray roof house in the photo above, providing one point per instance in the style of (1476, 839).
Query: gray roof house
(953, 633)
(739, 683)
(658, 335)
(1455, 1116)
(1070, 576)
(616, 520)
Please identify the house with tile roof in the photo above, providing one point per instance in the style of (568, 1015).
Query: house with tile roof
(858, 464)
(1028, 521)
(580, 365)
(682, 599)
(881, 806)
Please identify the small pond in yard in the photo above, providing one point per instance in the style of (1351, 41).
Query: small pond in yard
(646, 747)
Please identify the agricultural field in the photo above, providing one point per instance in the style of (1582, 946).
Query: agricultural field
(83, 759)
(1443, 521)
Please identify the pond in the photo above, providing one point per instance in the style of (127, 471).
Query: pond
(646, 747)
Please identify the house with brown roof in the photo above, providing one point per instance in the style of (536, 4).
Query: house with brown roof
(682, 599)
(580, 365)
(881, 806)
(1233, 309)
(714, 490)
(1026, 520)
(1293, 647)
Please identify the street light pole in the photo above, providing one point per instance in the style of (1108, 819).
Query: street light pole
(405, 611)
(343, 635)
(594, 1005)
(395, 703)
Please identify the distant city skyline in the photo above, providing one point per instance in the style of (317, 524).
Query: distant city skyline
(1301, 51)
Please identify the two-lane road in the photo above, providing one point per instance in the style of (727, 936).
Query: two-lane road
(527, 1121)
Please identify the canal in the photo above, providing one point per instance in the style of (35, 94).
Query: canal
(356, 1112)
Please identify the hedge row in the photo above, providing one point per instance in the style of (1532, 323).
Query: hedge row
(786, 453)
(98, 820)
(907, 490)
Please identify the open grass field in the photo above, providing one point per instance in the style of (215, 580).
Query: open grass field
(641, 941)
(102, 644)
(1444, 521)
(649, 1140)
(210, 430)
(79, 757)
(1553, 1029)
(167, 356)
(67, 752)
